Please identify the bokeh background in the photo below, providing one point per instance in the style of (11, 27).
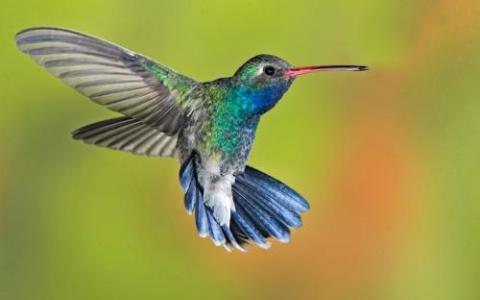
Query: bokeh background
(389, 159)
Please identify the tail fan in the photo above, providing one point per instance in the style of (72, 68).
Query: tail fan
(264, 208)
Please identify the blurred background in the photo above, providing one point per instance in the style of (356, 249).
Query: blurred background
(389, 159)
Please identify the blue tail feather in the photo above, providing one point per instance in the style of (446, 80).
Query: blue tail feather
(289, 217)
(188, 183)
(187, 174)
(248, 227)
(201, 219)
(264, 207)
(275, 190)
(231, 240)
(216, 232)
(192, 196)
(264, 220)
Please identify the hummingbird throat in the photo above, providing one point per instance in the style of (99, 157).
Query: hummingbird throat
(259, 100)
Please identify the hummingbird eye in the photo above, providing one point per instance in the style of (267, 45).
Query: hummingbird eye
(269, 70)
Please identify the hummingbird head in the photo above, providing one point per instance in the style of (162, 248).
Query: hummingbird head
(263, 80)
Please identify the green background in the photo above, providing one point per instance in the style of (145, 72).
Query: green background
(389, 159)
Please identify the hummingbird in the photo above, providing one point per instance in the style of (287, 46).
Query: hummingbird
(208, 126)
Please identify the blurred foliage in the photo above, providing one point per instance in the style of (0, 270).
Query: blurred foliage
(390, 159)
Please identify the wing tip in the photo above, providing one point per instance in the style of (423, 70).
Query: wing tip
(19, 34)
(34, 28)
(53, 28)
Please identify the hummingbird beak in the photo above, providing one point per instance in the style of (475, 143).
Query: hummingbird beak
(294, 72)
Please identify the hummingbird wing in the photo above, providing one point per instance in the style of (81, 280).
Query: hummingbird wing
(115, 77)
(128, 134)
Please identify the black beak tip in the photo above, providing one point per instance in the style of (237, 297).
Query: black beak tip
(362, 68)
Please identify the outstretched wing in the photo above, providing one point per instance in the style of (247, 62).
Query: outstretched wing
(129, 135)
(123, 81)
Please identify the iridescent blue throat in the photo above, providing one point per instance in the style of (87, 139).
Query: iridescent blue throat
(258, 100)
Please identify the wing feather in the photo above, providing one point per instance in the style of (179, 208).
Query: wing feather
(129, 135)
(115, 77)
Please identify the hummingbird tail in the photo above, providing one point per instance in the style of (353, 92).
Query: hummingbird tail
(128, 134)
(264, 208)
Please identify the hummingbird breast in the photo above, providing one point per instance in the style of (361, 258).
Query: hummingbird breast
(220, 135)
(222, 131)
